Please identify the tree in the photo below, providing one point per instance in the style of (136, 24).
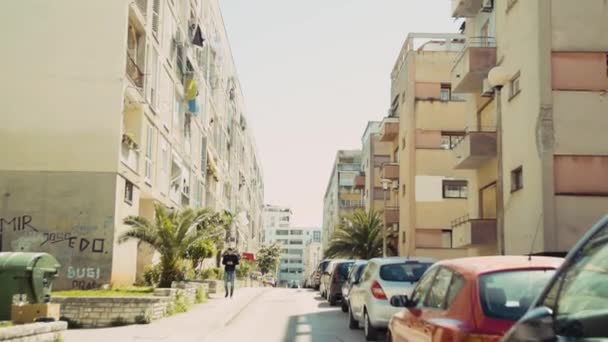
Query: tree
(223, 222)
(199, 251)
(171, 233)
(358, 237)
(268, 257)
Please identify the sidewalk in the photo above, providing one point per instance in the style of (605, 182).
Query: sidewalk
(193, 325)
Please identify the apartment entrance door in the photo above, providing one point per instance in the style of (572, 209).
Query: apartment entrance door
(487, 201)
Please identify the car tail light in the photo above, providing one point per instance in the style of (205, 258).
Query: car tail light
(482, 338)
(377, 291)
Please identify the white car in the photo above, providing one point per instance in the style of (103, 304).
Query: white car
(381, 279)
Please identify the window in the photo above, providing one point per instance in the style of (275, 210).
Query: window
(445, 94)
(403, 143)
(296, 232)
(423, 286)
(148, 154)
(155, 18)
(437, 294)
(282, 232)
(204, 156)
(295, 242)
(153, 69)
(517, 179)
(508, 295)
(403, 272)
(403, 189)
(381, 159)
(403, 237)
(128, 192)
(514, 87)
(449, 140)
(455, 188)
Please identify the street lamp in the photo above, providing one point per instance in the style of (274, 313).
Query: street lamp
(498, 77)
(385, 185)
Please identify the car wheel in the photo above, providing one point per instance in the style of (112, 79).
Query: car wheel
(344, 306)
(352, 322)
(370, 332)
(332, 300)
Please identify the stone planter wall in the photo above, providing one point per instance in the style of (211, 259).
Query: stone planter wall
(36, 332)
(95, 312)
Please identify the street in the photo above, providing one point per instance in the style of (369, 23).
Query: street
(254, 314)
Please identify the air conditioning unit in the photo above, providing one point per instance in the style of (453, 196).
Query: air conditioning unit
(487, 6)
(487, 89)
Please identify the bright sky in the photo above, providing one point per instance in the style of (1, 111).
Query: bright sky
(313, 73)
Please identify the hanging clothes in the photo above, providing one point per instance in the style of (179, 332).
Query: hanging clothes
(191, 89)
(193, 106)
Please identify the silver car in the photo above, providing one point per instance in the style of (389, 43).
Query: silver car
(381, 279)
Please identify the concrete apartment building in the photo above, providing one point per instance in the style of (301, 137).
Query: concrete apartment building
(431, 121)
(294, 242)
(136, 102)
(378, 164)
(313, 254)
(553, 117)
(342, 196)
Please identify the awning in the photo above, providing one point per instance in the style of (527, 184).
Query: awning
(248, 256)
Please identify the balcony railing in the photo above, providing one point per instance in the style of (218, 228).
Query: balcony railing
(360, 182)
(472, 64)
(475, 149)
(467, 231)
(130, 157)
(134, 73)
(389, 130)
(391, 216)
(390, 171)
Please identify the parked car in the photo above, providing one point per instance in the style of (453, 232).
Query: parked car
(382, 278)
(326, 276)
(574, 304)
(316, 283)
(338, 276)
(470, 299)
(353, 277)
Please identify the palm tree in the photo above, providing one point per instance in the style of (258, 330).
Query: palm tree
(358, 237)
(171, 233)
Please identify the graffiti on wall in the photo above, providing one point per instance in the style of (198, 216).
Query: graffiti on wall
(84, 278)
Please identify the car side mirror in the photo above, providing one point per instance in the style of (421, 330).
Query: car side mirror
(536, 325)
(401, 301)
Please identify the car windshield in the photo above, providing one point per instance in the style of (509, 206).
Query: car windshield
(508, 295)
(323, 266)
(343, 269)
(403, 272)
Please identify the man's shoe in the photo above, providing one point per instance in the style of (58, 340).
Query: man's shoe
(226, 296)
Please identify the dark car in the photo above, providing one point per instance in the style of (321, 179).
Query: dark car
(574, 304)
(338, 276)
(316, 277)
(353, 277)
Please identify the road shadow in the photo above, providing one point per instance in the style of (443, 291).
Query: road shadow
(324, 326)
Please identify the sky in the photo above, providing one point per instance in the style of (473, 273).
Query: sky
(313, 73)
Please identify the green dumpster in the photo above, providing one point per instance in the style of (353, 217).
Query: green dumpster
(30, 274)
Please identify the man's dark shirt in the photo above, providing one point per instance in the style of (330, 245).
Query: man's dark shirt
(230, 261)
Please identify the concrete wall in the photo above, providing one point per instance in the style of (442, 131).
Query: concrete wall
(64, 78)
(70, 215)
(579, 25)
(575, 215)
(37, 332)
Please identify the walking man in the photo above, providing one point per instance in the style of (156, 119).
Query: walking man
(230, 261)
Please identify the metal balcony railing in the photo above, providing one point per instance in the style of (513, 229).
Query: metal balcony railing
(469, 130)
(134, 72)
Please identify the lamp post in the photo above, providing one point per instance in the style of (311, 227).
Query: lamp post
(385, 185)
(498, 77)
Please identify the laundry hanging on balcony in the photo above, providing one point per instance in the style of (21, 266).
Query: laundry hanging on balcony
(191, 89)
(193, 107)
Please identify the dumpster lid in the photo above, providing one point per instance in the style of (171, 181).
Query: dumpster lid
(27, 261)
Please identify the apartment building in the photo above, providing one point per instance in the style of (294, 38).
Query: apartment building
(544, 152)
(378, 179)
(431, 121)
(342, 196)
(313, 254)
(130, 103)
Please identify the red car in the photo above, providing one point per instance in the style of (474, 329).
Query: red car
(470, 299)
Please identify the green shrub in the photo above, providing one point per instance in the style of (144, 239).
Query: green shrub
(186, 271)
(201, 296)
(244, 269)
(212, 273)
(144, 318)
(151, 275)
(72, 323)
(180, 304)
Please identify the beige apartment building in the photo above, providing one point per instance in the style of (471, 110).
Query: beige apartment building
(553, 106)
(109, 108)
(342, 196)
(431, 192)
(378, 164)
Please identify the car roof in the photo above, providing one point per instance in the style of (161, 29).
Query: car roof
(489, 264)
(397, 260)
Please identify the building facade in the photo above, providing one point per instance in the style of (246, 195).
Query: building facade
(378, 179)
(313, 254)
(138, 102)
(543, 148)
(342, 196)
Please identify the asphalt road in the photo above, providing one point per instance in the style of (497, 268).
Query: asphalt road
(288, 315)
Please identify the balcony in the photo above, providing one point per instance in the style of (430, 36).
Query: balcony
(360, 182)
(129, 154)
(391, 216)
(390, 171)
(467, 231)
(472, 65)
(474, 150)
(465, 8)
(389, 131)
